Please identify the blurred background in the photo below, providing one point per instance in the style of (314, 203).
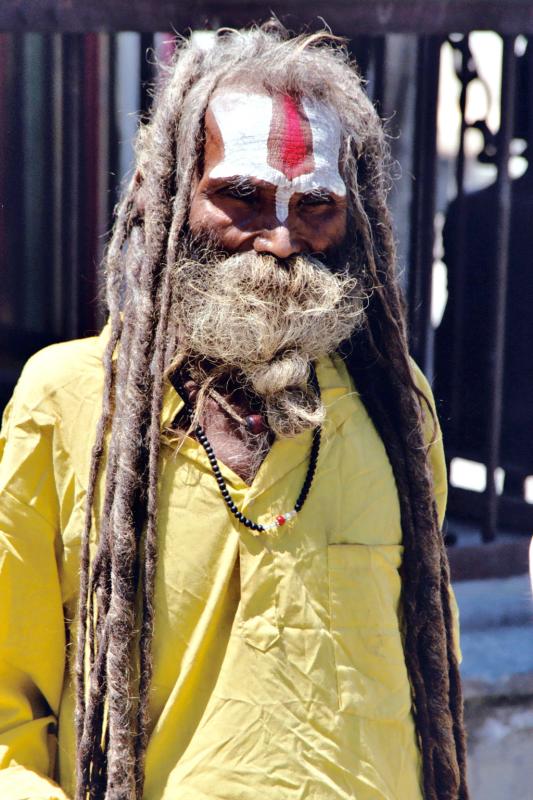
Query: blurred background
(454, 83)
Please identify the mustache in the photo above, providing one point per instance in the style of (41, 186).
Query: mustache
(204, 246)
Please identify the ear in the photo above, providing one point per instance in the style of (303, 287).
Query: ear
(138, 193)
(195, 180)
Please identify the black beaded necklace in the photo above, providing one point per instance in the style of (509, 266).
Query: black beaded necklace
(281, 519)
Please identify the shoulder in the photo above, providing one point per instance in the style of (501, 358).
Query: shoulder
(428, 407)
(422, 382)
(60, 373)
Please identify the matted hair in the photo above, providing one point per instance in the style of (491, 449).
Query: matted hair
(151, 221)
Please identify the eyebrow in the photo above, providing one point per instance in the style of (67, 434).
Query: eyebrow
(244, 183)
(234, 180)
(247, 183)
(319, 191)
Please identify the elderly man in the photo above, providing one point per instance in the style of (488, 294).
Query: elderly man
(221, 568)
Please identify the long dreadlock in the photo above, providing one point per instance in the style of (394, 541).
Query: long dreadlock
(113, 665)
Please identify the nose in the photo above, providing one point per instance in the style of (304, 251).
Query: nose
(277, 241)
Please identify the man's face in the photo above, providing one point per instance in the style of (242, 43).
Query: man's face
(271, 180)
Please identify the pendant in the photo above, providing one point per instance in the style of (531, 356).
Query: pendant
(255, 423)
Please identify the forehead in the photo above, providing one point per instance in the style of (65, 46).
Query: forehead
(288, 141)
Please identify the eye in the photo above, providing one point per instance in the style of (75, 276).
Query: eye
(245, 192)
(316, 198)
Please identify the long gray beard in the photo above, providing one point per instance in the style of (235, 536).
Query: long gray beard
(265, 321)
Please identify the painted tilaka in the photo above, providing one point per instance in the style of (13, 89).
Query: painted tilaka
(290, 143)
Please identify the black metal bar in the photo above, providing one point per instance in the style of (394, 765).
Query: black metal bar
(359, 47)
(113, 154)
(90, 184)
(32, 261)
(6, 266)
(56, 179)
(71, 195)
(458, 257)
(499, 295)
(423, 199)
(148, 71)
(346, 16)
(379, 45)
(14, 160)
(104, 211)
(47, 188)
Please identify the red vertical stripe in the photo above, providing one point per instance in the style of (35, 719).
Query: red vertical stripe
(293, 143)
(290, 141)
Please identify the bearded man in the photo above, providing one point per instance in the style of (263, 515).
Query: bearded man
(241, 591)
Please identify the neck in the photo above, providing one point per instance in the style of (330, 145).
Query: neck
(222, 407)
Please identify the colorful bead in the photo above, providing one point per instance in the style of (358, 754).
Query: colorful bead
(280, 520)
(255, 423)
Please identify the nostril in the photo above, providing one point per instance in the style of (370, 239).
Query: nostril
(278, 242)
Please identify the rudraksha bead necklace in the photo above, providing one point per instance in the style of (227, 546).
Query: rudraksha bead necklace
(255, 527)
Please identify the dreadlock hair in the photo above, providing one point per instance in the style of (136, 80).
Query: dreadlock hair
(113, 663)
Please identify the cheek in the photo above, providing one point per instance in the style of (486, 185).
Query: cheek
(206, 216)
(325, 229)
(342, 224)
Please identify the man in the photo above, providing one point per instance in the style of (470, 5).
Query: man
(257, 604)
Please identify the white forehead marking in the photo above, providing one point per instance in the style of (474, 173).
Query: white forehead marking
(244, 121)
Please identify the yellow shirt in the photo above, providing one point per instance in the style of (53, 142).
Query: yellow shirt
(278, 663)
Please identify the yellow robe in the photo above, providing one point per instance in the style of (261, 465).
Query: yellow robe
(278, 662)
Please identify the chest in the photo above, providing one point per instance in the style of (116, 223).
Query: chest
(293, 602)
